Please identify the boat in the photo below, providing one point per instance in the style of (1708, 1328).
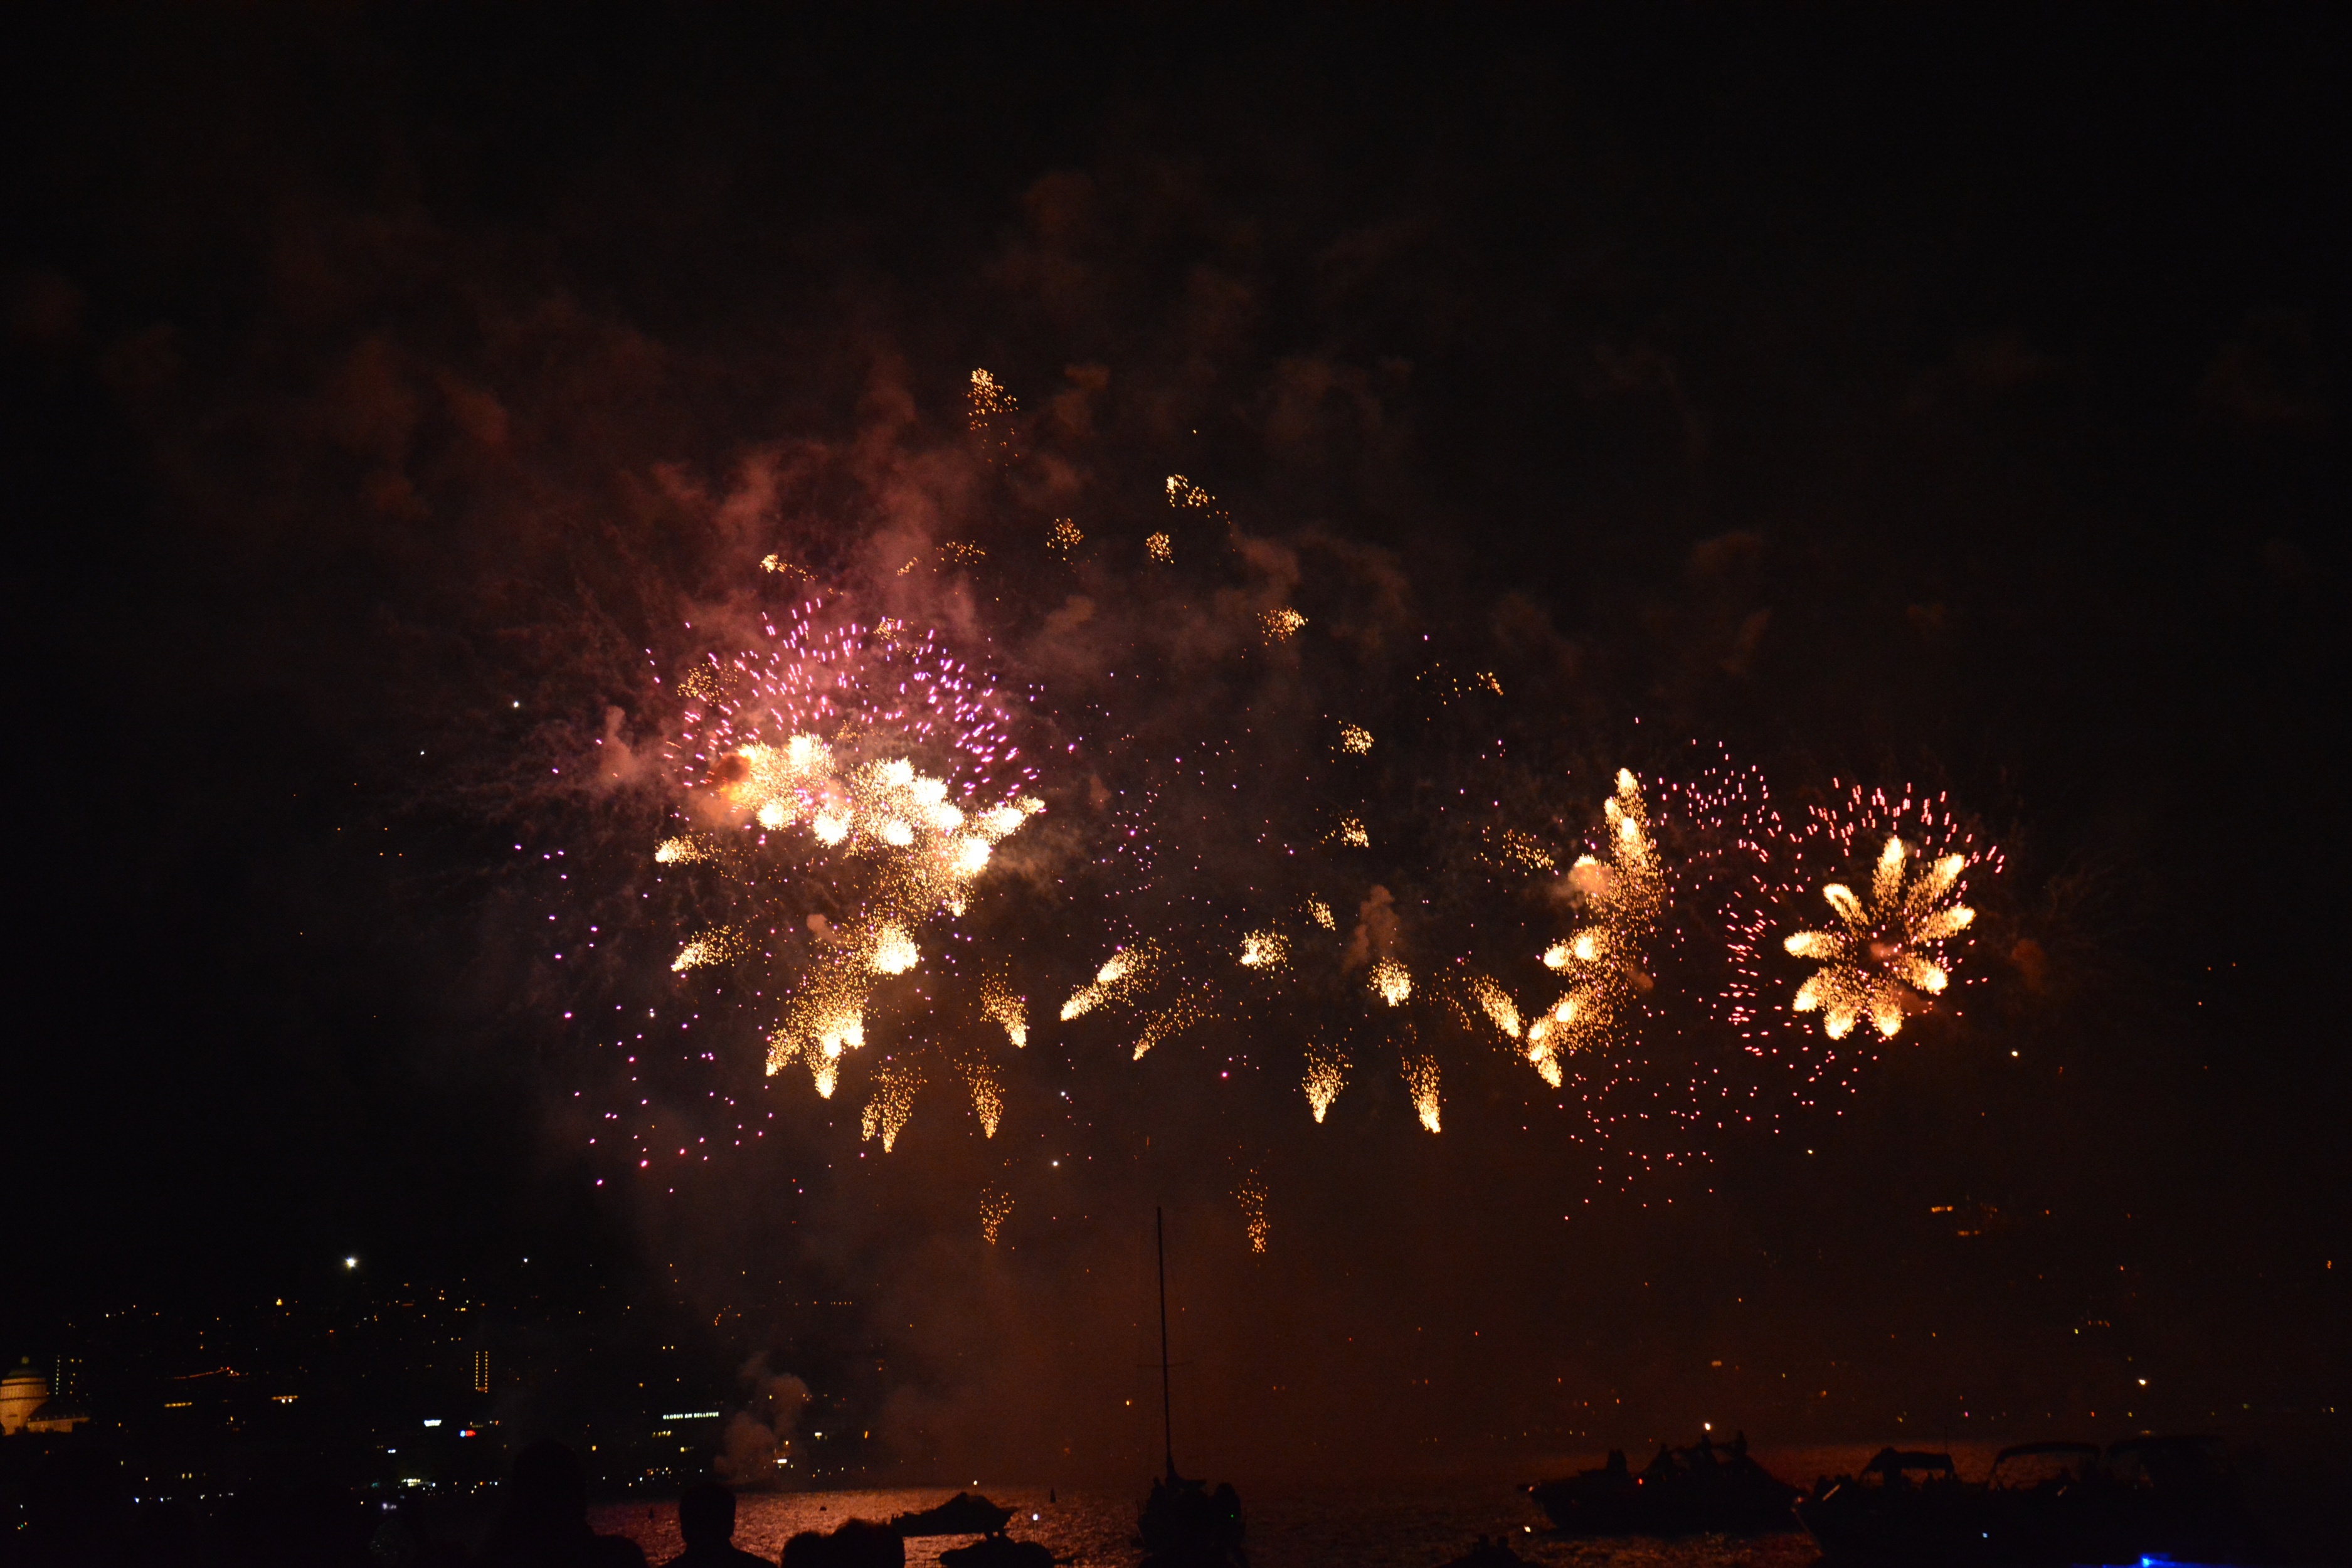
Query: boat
(2171, 1499)
(1605, 1501)
(2184, 1503)
(962, 1514)
(1183, 1523)
(998, 1551)
(1905, 1506)
(1705, 1489)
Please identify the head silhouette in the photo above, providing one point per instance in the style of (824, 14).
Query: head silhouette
(705, 1514)
(545, 1507)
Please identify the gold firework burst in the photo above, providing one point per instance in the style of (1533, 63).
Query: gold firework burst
(1888, 955)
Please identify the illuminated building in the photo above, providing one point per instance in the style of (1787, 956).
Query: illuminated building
(27, 1405)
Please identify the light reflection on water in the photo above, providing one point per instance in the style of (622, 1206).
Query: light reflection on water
(1417, 1527)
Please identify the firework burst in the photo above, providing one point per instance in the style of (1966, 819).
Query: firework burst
(1625, 895)
(858, 770)
(1898, 944)
(1884, 963)
(847, 812)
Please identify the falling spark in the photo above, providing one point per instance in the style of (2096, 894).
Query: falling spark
(1121, 972)
(714, 946)
(1355, 739)
(1186, 495)
(1353, 834)
(1174, 1019)
(1007, 1011)
(1421, 1081)
(1391, 982)
(995, 1208)
(1327, 1074)
(1264, 950)
(988, 398)
(989, 414)
(1887, 955)
(1500, 1010)
(1251, 1195)
(1282, 625)
(1543, 1055)
(987, 1093)
(1513, 847)
(1064, 537)
(1321, 913)
(893, 1103)
(1160, 548)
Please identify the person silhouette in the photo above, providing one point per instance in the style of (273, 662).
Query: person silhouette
(544, 1520)
(706, 1520)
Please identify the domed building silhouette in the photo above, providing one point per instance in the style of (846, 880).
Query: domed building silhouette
(26, 1405)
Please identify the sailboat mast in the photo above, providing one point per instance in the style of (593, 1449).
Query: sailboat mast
(1167, 1422)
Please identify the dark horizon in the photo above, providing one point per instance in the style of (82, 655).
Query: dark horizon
(1924, 400)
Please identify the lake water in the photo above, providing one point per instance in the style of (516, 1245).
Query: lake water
(1412, 1527)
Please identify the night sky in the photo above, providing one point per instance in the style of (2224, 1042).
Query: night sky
(1940, 400)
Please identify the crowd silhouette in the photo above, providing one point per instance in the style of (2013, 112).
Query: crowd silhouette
(77, 1514)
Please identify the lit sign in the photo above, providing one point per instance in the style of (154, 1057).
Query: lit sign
(693, 1416)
